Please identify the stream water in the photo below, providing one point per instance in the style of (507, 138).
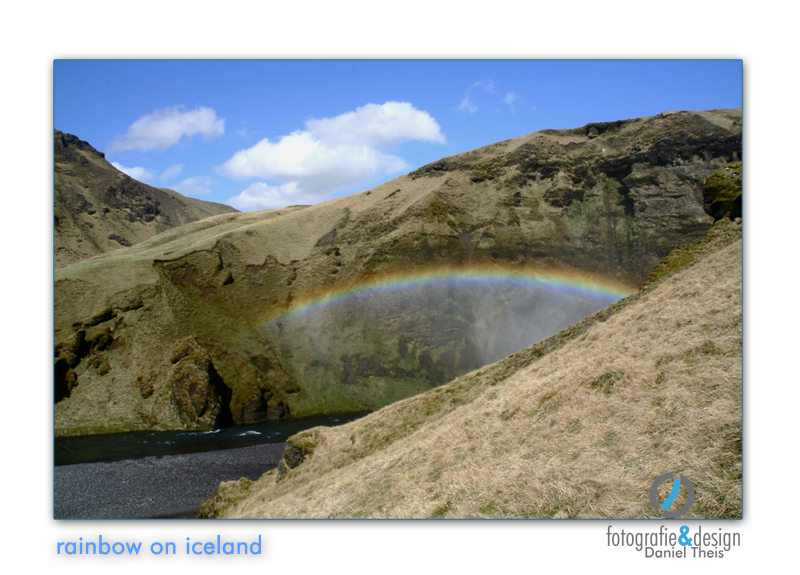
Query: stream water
(139, 444)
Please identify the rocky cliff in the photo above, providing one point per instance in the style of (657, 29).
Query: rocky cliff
(99, 209)
(603, 203)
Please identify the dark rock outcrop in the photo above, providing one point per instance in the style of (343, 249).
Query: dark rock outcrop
(197, 391)
(722, 193)
(298, 448)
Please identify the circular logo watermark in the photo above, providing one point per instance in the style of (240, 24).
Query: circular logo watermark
(676, 486)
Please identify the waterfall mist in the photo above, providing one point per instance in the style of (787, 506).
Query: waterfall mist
(423, 336)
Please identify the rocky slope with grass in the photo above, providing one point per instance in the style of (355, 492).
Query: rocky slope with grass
(184, 330)
(577, 426)
(99, 209)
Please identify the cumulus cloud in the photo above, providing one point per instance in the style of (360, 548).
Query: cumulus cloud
(261, 196)
(315, 165)
(330, 154)
(194, 186)
(165, 127)
(137, 173)
(171, 172)
(374, 125)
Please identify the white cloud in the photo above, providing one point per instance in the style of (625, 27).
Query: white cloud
(510, 98)
(171, 172)
(194, 186)
(165, 127)
(316, 166)
(331, 153)
(243, 131)
(137, 173)
(468, 103)
(374, 125)
(261, 196)
(487, 85)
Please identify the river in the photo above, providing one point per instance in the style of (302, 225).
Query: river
(167, 474)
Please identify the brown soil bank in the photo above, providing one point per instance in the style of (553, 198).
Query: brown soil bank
(577, 426)
(179, 331)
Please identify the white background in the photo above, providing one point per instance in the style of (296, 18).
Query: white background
(32, 37)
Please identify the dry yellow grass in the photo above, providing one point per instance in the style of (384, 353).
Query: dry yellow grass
(582, 431)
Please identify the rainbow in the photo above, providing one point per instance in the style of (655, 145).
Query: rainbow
(570, 282)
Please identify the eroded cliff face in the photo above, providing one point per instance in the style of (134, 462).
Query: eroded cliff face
(607, 201)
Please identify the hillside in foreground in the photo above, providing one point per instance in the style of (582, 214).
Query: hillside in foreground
(578, 425)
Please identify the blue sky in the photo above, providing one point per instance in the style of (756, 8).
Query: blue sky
(260, 134)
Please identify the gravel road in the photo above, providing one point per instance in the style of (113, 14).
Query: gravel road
(173, 486)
